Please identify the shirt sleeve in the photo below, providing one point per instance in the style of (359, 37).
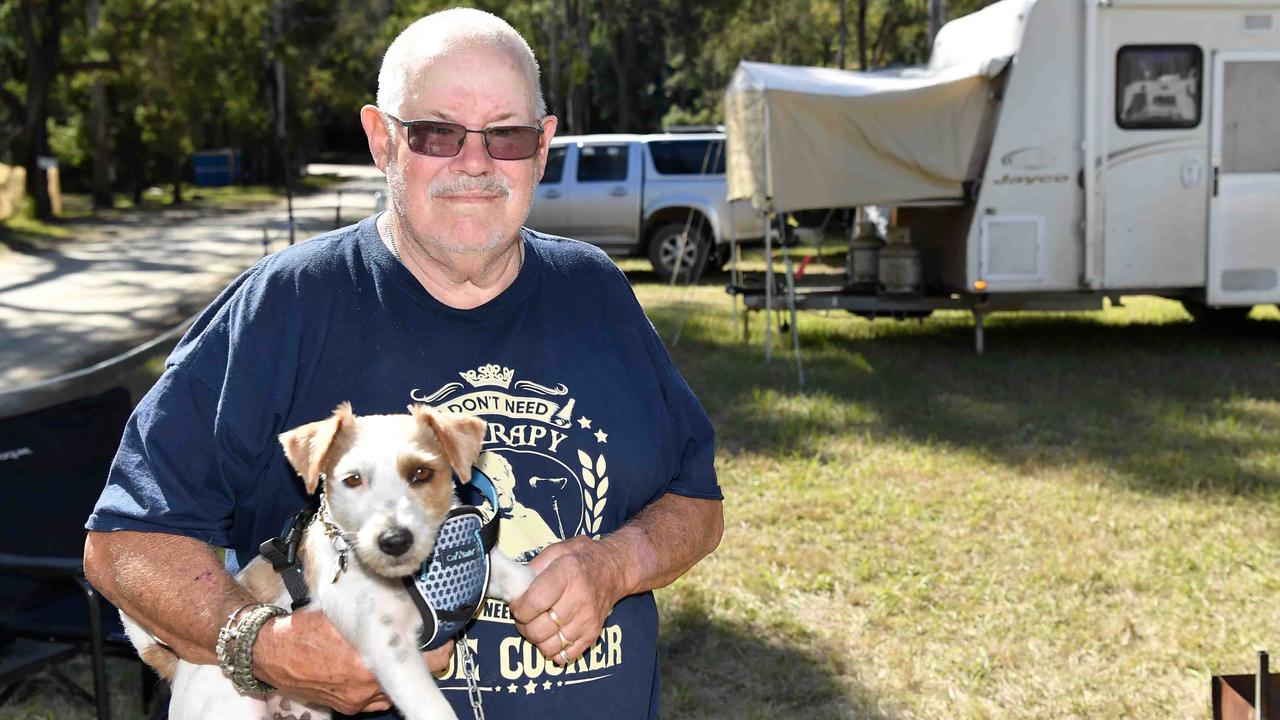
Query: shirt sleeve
(197, 444)
(164, 477)
(691, 439)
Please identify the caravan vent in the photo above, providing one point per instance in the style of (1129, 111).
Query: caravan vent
(1011, 247)
(1246, 280)
(1259, 23)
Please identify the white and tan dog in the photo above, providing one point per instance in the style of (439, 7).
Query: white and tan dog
(389, 488)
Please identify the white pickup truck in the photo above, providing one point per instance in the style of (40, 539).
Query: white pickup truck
(637, 195)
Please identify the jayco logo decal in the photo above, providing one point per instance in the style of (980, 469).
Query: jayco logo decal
(546, 458)
(1008, 179)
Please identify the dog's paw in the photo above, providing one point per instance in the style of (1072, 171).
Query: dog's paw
(508, 579)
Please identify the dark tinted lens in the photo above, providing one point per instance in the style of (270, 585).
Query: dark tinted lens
(439, 139)
(512, 142)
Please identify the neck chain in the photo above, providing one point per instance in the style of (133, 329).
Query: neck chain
(336, 536)
(395, 250)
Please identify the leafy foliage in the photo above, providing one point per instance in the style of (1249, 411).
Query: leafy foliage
(182, 75)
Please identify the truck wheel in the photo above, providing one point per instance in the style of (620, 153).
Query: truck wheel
(1225, 318)
(665, 243)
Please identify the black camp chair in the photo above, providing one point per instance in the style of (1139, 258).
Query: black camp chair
(53, 464)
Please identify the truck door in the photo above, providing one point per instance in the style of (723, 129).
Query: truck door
(551, 211)
(1244, 208)
(606, 210)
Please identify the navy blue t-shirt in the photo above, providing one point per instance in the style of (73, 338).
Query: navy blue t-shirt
(588, 422)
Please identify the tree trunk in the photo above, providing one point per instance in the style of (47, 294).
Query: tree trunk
(101, 158)
(553, 78)
(42, 35)
(177, 180)
(844, 35)
(862, 35)
(623, 52)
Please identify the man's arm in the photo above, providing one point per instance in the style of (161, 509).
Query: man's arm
(178, 589)
(582, 579)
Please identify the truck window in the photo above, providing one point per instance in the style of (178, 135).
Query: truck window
(555, 164)
(602, 163)
(1158, 86)
(688, 157)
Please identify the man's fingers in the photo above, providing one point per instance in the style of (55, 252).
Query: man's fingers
(539, 630)
(439, 658)
(547, 556)
(382, 703)
(546, 588)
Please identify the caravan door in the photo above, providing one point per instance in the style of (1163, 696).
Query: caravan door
(1244, 207)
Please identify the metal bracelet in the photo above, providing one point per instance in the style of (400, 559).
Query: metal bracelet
(246, 634)
(226, 641)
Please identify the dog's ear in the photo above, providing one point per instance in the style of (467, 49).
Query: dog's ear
(308, 446)
(460, 437)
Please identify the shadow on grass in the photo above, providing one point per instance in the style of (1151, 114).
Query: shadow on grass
(713, 668)
(1158, 407)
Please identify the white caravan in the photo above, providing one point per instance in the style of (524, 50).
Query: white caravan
(1052, 153)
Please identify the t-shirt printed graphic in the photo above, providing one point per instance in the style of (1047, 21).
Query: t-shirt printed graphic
(548, 463)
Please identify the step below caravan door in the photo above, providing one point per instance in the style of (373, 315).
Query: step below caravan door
(1244, 208)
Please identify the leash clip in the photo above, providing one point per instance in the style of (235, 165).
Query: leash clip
(282, 551)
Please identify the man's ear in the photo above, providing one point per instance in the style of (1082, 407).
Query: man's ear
(308, 447)
(375, 131)
(549, 124)
(460, 437)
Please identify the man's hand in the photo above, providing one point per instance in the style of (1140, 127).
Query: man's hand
(577, 584)
(579, 580)
(304, 655)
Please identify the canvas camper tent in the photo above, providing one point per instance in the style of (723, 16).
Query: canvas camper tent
(983, 154)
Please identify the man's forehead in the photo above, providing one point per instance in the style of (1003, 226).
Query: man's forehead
(478, 84)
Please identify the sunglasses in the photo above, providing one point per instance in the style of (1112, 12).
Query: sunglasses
(436, 138)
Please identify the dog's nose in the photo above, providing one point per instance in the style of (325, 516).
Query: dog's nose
(395, 541)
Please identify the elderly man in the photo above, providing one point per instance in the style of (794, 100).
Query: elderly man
(445, 300)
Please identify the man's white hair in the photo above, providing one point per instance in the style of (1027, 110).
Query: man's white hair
(441, 33)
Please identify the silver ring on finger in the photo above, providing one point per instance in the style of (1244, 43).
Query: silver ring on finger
(564, 658)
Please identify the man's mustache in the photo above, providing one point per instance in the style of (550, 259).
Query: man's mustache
(465, 185)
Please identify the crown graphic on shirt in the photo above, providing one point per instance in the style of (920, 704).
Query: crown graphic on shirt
(489, 375)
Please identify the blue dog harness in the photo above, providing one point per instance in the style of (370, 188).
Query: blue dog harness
(449, 586)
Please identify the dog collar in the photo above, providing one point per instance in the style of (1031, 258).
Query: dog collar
(450, 585)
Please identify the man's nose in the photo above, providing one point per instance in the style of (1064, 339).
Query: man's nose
(473, 158)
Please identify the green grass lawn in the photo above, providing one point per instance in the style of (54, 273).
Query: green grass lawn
(1079, 524)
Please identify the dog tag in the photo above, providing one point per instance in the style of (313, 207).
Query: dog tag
(342, 547)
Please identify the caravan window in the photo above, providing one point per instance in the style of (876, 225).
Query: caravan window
(1158, 86)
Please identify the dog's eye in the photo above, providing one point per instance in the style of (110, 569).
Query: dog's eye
(421, 475)
(353, 480)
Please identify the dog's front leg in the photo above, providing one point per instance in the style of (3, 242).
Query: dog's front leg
(393, 658)
(508, 579)
(382, 623)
